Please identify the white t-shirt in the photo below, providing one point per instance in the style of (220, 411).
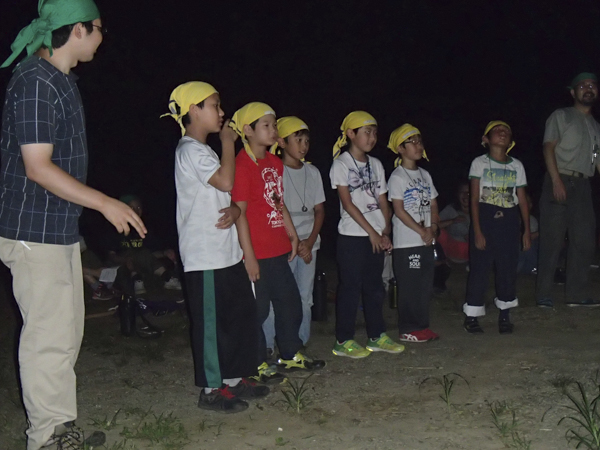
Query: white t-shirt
(303, 187)
(415, 188)
(366, 182)
(202, 245)
(498, 181)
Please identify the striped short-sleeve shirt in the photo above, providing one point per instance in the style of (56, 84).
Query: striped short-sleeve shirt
(42, 105)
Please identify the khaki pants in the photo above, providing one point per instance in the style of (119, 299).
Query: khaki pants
(48, 287)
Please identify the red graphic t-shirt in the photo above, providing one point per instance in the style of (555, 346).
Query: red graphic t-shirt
(262, 188)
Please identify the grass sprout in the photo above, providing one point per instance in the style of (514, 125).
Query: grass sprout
(504, 418)
(295, 394)
(447, 382)
(166, 430)
(584, 417)
(106, 423)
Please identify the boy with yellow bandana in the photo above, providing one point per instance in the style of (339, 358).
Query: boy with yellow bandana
(363, 229)
(304, 197)
(497, 197)
(268, 237)
(222, 307)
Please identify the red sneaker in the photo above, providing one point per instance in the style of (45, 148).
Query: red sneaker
(417, 336)
(434, 336)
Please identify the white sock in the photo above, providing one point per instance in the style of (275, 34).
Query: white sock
(231, 382)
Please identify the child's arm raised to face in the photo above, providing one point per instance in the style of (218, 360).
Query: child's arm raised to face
(354, 212)
(223, 178)
(479, 237)
(524, 207)
(243, 229)
(425, 233)
(305, 246)
(291, 231)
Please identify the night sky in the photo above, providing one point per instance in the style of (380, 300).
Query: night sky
(446, 67)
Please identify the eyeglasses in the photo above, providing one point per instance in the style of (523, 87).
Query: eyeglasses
(583, 86)
(102, 30)
(414, 141)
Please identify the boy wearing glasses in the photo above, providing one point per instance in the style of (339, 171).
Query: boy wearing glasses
(571, 150)
(415, 223)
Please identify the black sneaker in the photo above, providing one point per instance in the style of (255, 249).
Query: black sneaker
(471, 325)
(248, 389)
(221, 400)
(505, 327)
(66, 437)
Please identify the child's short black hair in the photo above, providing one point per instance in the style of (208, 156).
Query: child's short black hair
(185, 120)
(299, 133)
(60, 36)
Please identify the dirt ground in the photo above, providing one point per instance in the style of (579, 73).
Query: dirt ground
(380, 402)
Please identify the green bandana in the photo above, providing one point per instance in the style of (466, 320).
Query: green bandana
(53, 15)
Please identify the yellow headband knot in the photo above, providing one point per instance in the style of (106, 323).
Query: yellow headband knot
(185, 95)
(399, 136)
(245, 116)
(352, 121)
(495, 123)
(287, 126)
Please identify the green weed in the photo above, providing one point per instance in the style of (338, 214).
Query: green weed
(584, 414)
(122, 445)
(106, 423)
(447, 382)
(509, 434)
(295, 394)
(165, 429)
(280, 442)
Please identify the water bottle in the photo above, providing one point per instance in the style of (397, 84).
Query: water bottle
(319, 307)
(392, 290)
(127, 308)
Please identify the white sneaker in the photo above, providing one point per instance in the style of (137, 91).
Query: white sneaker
(138, 287)
(173, 284)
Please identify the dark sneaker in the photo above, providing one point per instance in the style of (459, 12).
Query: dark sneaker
(471, 325)
(300, 362)
(545, 303)
(247, 389)
(221, 400)
(70, 437)
(588, 302)
(505, 327)
(267, 374)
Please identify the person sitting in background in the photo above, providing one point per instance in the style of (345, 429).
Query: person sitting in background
(92, 269)
(138, 262)
(455, 220)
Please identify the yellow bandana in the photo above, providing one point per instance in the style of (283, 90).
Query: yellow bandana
(352, 121)
(287, 126)
(400, 135)
(185, 95)
(495, 123)
(245, 116)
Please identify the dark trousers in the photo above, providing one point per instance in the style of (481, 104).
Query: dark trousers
(277, 286)
(414, 269)
(223, 324)
(502, 231)
(359, 274)
(574, 216)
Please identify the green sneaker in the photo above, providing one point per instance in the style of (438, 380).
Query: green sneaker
(384, 344)
(351, 349)
(300, 362)
(266, 374)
